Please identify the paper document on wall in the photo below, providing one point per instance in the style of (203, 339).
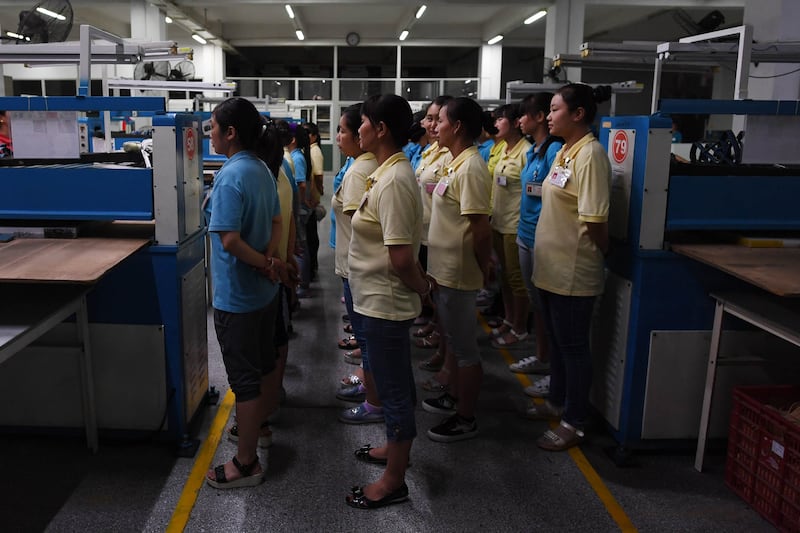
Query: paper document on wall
(45, 134)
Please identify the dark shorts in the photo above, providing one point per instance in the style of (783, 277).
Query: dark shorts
(248, 348)
(281, 337)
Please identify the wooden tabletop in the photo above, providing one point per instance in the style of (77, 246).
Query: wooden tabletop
(83, 260)
(776, 270)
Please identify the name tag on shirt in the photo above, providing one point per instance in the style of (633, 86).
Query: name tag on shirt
(441, 187)
(533, 189)
(430, 186)
(502, 181)
(560, 176)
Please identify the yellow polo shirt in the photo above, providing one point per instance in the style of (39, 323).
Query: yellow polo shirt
(451, 253)
(428, 173)
(285, 199)
(317, 169)
(494, 155)
(566, 260)
(390, 213)
(345, 201)
(507, 188)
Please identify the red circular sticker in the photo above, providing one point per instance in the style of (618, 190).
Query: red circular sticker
(619, 149)
(191, 147)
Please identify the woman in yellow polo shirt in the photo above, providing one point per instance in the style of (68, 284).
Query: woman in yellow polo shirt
(459, 242)
(506, 194)
(571, 240)
(387, 282)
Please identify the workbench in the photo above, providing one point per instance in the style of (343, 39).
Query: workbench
(45, 282)
(775, 309)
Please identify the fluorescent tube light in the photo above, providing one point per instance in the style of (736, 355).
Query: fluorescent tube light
(494, 40)
(421, 11)
(300, 36)
(403, 35)
(168, 19)
(198, 38)
(49, 13)
(289, 11)
(536, 16)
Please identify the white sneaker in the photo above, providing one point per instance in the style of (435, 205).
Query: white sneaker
(539, 389)
(529, 365)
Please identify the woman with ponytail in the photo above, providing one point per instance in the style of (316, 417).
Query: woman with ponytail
(571, 241)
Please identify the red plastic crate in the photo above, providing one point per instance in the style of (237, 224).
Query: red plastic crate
(763, 463)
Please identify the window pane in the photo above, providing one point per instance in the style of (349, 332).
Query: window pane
(315, 90)
(439, 62)
(420, 90)
(360, 90)
(25, 87)
(281, 61)
(520, 63)
(368, 62)
(278, 89)
(461, 88)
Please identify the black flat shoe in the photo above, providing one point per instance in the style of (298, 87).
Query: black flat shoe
(359, 500)
(362, 454)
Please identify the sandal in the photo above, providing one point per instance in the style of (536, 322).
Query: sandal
(359, 500)
(561, 438)
(431, 341)
(433, 385)
(248, 479)
(348, 343)
(544, 411)
(510, 340)
(353, 357)
(433, 364)
(426, 330)
(264, 440)
(350, 380)
(362, 454)
(501, 329)
(348, 328)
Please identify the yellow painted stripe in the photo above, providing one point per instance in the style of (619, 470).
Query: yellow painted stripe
(202, 463)
(592, 477)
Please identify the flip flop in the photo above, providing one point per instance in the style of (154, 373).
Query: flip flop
(431, 341)
(348, 343)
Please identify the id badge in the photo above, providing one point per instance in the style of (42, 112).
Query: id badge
(430, 186)
(560, 176)
(502, 181)
(533, 189)
(441, 187)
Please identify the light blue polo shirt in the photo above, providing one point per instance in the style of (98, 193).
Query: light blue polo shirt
(530, 207)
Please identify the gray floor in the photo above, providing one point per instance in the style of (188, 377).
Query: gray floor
(497, 482)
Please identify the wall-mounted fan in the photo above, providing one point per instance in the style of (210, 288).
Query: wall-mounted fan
(151, 70)
(183, 71)
(49, 21)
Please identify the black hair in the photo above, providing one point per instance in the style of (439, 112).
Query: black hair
(440, 101)
(243, 116)
(393, 111)
(417, 131)
(577, 95)
(352, 117)
(299, 134)
(488, 123)
(312, 129)
(536, 103)
(270, 150)
(283, 132)
(468, 112)
(509, 111)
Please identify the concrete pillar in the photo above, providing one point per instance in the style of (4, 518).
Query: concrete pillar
(490, 63)
(564, 33)
(147, 22)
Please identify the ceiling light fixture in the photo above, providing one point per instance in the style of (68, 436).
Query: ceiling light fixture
(300, 36)
(168, 19)
(52, 14)
(403, 35)
(199, 39)
(494, 40)
(536, 16)
(289, 11)
(421, 11)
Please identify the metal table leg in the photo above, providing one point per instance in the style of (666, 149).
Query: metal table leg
(87, 386)
(711, 375)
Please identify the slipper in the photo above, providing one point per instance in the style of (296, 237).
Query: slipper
(248, 479)
(348, 343)
(359, 500)
(362, 454)
(501, 329)
(515, 342)
(350, 380)
(348, 328)
(432, 385)
(561, 438)
(432, 364)
(431, 341)
(426, 330)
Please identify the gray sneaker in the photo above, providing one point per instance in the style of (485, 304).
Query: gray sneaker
(360, 415)
(443, 405)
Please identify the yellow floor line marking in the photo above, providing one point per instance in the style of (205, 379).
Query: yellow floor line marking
(592, 477)
(202, 463)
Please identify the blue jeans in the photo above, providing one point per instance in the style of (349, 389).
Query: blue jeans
(358, 326)
(390, 361)
(568, 320)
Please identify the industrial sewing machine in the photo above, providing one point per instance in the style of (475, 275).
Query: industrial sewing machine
(651, 331)
(147, 315)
